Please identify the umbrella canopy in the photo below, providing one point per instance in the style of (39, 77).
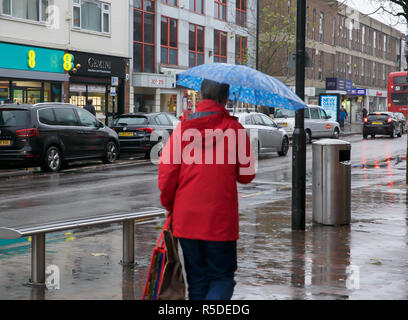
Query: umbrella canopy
(246, 85)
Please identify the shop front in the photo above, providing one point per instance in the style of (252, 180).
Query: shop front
(101, 79)
(354, 103)
(31, 74)
(377, 100)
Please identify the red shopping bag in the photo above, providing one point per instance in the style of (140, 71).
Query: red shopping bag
(165, 279)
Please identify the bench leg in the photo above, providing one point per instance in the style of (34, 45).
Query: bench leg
(38, 260)
(128, 242)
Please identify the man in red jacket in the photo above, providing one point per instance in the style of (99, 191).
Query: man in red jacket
(198, 172)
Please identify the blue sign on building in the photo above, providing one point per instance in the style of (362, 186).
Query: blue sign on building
(356, 92)
(338, 84)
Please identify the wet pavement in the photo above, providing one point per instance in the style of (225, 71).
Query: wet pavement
(366, 260)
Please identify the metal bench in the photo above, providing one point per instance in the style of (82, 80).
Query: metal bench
(37, 233)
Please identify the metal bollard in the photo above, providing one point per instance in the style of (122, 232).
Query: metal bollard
(128, 242)
(37, 260)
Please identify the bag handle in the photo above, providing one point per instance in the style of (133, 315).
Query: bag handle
(166, 227)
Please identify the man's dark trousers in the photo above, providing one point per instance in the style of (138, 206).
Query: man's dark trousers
(210, 268)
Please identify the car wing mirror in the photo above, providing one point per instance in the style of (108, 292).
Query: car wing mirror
(279, 125)
(328, 117)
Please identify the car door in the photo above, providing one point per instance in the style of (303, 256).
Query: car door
(164, 124)
(264, 138)
(315, 123)
(67, 128)
(273, 133)
(326, 128)
(92, 137)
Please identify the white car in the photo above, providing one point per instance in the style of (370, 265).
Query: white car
(270, 136)
(317, 123)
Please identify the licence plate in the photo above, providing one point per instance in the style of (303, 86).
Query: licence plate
(125, 134)
(5, 142)
(376, 122)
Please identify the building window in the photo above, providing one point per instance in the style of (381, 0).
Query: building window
(334, 32)
(363, 34)
(91, 15)
(170, 2)
(375, 43)
(220, 9)
(241, 12)
(351, 34)
(321, 20)
(196, 45)
(35, 10)
(320, 71)
(169, 41)
(385, 46)
(197, 6)
(143, 36)
(220, 46)
(314, 24)
(241, 50)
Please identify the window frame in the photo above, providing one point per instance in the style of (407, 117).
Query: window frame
(143, 43)
(196, 52)
(78, 4)
(168, 47)
(240, 59)
(166, 2)
(220, 56)
(220, 4)
(195, 7)
(40, 12)
(321, 30)
(240, 11)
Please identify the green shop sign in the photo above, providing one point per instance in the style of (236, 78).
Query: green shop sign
(13, 56)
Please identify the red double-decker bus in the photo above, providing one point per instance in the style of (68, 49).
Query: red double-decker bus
(398, 92)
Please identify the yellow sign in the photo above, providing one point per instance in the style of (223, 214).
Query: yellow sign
(31, 59)
(68, 61)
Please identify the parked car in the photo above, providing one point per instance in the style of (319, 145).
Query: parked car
(317, 123)
(52, 134)
(271, 136)
(403, 121)
(384, 123)
(134, 130)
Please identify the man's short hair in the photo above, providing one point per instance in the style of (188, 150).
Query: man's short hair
(89, 101)
(214, 91)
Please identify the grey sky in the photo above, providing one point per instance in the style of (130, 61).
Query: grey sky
(369, 6)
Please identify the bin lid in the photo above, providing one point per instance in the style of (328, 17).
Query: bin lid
(332, 142)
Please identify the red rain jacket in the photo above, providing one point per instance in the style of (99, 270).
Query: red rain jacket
(202, 195)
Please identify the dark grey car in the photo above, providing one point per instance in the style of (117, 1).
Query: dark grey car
(135, 130)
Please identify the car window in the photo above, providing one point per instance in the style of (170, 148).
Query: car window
(174, 121)
(162, 120)
(46, 116)
(65, 117)
(86, 118)
(307, 115)
(283, 113)
(314, 113)
(248, 120)
(374, 117)
(13, 118)
(323, 114)
(257, 120)
(129, 121)
(269, 122)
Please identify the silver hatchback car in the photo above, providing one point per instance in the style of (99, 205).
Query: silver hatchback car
(317, 123)
(270, 136)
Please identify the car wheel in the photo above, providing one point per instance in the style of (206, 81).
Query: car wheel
(373, 136)
(308, 136)
(365, 135)
(52, 161)
(111, 153)
(285, 147)
(392, 134)
(336, 133)
(400, 132)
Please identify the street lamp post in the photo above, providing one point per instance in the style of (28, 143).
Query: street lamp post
(299, 137)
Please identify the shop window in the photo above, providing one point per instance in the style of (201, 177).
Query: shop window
(197, 6)
(91, 15)
(241, 12)
(169, 49)
(220, 9)
(241, 56)
(35, 10)
(196, 45)
(143, 36)
(220, 46)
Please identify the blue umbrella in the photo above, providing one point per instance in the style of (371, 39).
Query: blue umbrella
(246, 85)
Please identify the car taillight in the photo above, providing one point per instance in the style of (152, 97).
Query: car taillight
(365, 120)
(389, 120)
(27, 133)
(149, 130)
